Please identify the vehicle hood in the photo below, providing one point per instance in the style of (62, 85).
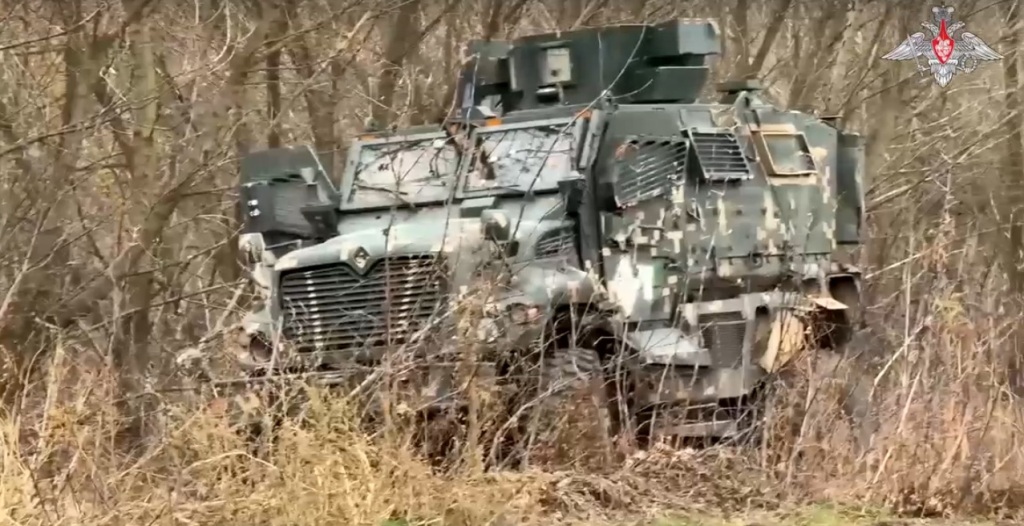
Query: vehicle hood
(427, 231)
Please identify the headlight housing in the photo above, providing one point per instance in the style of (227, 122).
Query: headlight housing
(256, 351)
(522, 314)
(251, 247)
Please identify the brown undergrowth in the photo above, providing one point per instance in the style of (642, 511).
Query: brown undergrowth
(925, 427)
(122, 124)
(65, 468)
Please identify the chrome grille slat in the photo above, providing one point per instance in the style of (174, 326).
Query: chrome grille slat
(333, 307)
(371, 296)
(555, 243)
(309, 304)
(309, 317)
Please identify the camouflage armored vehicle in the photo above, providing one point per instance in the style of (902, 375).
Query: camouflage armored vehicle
(624, 231)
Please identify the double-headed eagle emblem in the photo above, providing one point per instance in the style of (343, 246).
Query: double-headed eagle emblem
(946, 54)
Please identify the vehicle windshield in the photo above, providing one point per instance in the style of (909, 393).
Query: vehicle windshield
(511, 159)
(405, 172)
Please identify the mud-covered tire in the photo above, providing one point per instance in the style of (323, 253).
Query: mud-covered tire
(563, 369)
(256, 412)
(850, 319)
(848, 292)
(826, 387)
(567, 376)
(853, 386)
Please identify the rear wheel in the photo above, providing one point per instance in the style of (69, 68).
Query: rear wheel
(848, 321)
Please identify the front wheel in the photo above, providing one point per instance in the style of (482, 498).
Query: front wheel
(848, 321)
(572, 387)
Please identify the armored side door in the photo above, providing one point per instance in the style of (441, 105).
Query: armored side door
(638, 175)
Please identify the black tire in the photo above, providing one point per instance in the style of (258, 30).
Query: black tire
(851, 319)
(565, 375)
(563, 369)
(854, 387)
(259, 410)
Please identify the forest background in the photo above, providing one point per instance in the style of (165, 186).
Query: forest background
(121, 125)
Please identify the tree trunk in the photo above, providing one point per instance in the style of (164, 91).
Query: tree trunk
(35, 290)
(771, 33)
(131, 353)
(273, 74)
(242, 134)
(399, 44)
(1013, 189)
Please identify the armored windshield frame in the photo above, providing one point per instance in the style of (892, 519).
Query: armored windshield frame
(349, 177)
(762, 140)
(465, 189)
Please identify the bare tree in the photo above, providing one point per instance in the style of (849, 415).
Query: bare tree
(122, 125)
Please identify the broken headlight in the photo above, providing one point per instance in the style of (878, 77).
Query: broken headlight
(522, 314)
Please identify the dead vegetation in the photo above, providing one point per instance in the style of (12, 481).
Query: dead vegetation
(121, 124)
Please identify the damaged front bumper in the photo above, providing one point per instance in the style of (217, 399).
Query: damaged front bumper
(413, 388)
(517, 328)
(419, 376)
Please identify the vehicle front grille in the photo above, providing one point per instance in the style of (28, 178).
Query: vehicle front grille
(334, 307)
(557, 242)
(722, 335)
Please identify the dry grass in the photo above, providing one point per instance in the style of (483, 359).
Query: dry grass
(943, 446)
(116, 225)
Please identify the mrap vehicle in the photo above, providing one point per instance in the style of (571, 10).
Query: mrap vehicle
(621, 229)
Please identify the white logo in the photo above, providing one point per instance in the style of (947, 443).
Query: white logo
(946, 53)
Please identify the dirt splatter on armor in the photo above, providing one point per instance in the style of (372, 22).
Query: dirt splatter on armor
(585, 186)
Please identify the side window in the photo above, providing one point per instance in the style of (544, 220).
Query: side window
(788, 154)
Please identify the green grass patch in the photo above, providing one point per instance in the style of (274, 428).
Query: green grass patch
(817, 515)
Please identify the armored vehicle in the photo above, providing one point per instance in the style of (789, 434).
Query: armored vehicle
(618, 228)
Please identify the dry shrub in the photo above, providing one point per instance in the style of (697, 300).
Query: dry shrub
(922, 419)
(943, 440)
(321, 470)
(323, 467)
(117, 228)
